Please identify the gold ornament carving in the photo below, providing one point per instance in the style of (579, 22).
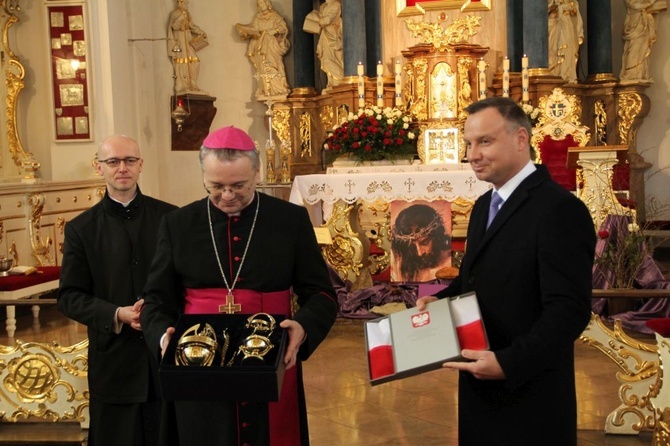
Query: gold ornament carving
(342, 113)
(419, 106)
(41, 247)
(639, 375)
(630, 106)
(661, 399)
(46, 381)
(459, 31)
(600, 122)
(380, 236)
(346, 254)
(559, 117)
(305, 135)
(14, 252)
(14, 75)
(465, 90)
(327, 117)
(281, 124)
(594, 185)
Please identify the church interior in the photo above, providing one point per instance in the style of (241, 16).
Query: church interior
(592, 76)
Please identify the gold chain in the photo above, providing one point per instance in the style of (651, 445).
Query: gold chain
(216, 251)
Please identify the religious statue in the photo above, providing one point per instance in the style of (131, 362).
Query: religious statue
(184, 40)
(566, 34)
(327, 22)
(268, 43)
(639, 34)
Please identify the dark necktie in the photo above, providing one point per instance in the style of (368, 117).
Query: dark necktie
(496, 202)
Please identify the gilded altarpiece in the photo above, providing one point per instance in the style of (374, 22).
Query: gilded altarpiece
(437, 90)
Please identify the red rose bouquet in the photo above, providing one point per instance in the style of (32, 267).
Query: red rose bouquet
(373, 134)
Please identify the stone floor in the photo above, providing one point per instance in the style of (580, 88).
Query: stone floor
(343, 408)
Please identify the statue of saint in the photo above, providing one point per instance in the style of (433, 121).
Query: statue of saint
(268, 43)
(327, 22)
(184, 39)
(566, 34)
(639, 34)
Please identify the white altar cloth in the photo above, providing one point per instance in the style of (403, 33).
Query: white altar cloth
(327, 189)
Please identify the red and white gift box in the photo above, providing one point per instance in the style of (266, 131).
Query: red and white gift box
(410, 342)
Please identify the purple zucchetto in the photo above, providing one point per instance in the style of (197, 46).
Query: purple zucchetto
(229, 138)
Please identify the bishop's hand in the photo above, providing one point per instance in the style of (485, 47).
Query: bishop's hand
(296, 336)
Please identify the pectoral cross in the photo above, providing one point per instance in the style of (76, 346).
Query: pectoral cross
(230, 306)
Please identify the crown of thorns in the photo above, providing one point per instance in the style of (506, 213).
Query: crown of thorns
(420, 233)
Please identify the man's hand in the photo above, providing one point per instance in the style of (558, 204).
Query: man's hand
(130, 315)
(423, 301)
(483, 365)
(296, 335)
(165, 340)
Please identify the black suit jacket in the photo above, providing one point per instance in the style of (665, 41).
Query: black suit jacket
(108, 250)
(531, 271)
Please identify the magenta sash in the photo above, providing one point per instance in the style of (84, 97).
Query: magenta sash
(208, 300)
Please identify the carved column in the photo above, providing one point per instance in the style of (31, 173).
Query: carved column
(373, 34)
(536, 33)
(302, 51)
(353, 35)
(599, 28)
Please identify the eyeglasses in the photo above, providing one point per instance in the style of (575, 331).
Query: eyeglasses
(220, 189)
(116, 162)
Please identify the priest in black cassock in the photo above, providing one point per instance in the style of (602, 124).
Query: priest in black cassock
(107, 253)
(258, 250)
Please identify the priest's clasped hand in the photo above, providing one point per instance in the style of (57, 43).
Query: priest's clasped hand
(296, 336)
(130, 315)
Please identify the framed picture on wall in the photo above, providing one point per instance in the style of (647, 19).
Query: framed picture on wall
(66, 33)
(419, 7)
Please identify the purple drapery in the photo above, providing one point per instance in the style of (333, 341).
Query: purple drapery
(357, 304)
(649, 276)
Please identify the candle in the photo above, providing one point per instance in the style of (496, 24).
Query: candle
(481, 65)
(380, 84)
(398, 84)
(525, 97)
(361, 86)
(505, 78)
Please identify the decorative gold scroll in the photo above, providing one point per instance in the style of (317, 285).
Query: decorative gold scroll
(460, 31)
(14, 75)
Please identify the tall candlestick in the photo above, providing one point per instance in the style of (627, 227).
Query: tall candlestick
(481, 66)
(398, 84)
(505, 78)
(525, 97)
(380, 84)
(361, 86)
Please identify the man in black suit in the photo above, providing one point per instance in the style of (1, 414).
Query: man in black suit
(108, 250)
(531, 271)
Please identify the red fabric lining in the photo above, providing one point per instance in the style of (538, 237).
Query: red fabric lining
(381, 361)
(659, 325)
(471, 336)
(17, 281)
(554, 155)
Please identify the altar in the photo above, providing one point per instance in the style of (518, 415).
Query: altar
(353, 203)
